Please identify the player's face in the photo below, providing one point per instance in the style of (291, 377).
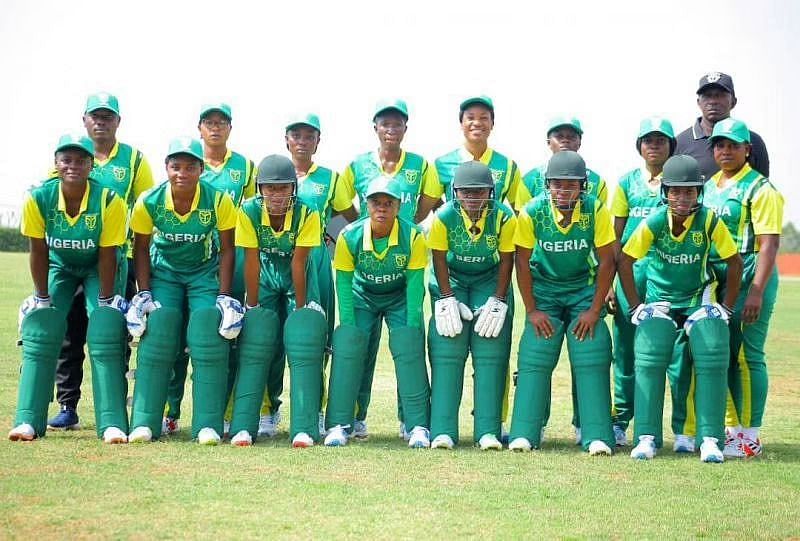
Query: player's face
(390, 127)
(565, 193)
(564, 138)
(477, 123)
(655, 149)
(730, 156)
(278, 198)
(101, 125)
(184, 171)
(73, 165)
(715, 104)
(215, 128)
(473, 200)
(682, 200)
(302, 142)
(382, 208)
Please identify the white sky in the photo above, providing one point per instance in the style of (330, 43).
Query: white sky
(609, 63)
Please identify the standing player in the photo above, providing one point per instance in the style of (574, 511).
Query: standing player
(752, 209)
(76, 229)
(380, 265)
(565, 265)
(185, 276)
(472, 245)
(680, 290)
(638, 195)
(231, 173)
(277, 233)
(124, 170)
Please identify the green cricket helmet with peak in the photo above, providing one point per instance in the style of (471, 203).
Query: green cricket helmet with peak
(473, 174)
(276, 169)
(565, 165)
(656, 124)
(682, 171)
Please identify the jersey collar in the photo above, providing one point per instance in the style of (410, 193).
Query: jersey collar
(645, 175)
(376, 157)
(287, 221)
(309, 173)
(697, 130)
(367, 244)
(111, 155)
(169, 204)
(221, 166)
(466, 155)
(480, 224)
(62, 203)
(746, 169)
(576, 215)
(686, 225)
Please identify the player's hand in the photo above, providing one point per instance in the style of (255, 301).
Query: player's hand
(232, 314)
(140, 306)
(491, 317)
(541, 323)
(30, 304)
(116, 302)
(611, 301)
(586, 322)
(751, 310)
(447, 316)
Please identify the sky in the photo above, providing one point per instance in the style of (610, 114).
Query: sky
(608, 63)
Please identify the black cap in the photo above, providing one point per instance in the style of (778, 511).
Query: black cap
(716, 78)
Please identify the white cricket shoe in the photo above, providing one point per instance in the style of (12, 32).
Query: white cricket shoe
(598, 448)
(490, 442)
(112, 434)
(360, 431)
(268, 424)
(403, 433)
(208, 436)
(337, 436)
(578, 440)
(242, 439)
(140, 434)
(522, 445)
(442, 441)
(169, 425)
(733, 443)
(683, 444)
(302, 440)
(620, 438)
(645, 449)
(709, 451)
(420, 438)
(22, 432)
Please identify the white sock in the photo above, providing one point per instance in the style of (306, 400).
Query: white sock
(751, 433)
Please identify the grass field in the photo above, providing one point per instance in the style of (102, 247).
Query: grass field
(69, 485)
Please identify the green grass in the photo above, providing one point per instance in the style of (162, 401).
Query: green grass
(69, 485)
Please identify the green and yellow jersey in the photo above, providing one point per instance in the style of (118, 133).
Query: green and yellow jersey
(188, 242)
(74, 241)
(748, 204)
(412, 174)
(564, 258)
(636, 198)
(506, 174)
(234, 176)
(533, 184)
(301, 227)
(679, 269)
(321, 189)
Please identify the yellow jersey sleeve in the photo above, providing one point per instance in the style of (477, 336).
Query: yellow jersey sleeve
(226, 213)
(343, 260)
(419, 252)
(639, 242)
(603, 226)
(345, 190)
(310, 232)
(523, 196)
(507, 230)
(619, 203)
(115, 223)
(143, 180)
(766, 211)
(723, 240)
(245, 232)
(32, 224)
(141, 221)
(524, 235)
(437, 236)
(431, 186)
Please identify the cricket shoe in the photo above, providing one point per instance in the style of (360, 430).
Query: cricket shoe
(751, 448)
(22, 432)
(620, 437)
(268, 424)
(112, 434)
(66, 419)
(442, 441)
(140, 434)
(521, 445)
(490, 442)
(645, 449)
(709, 451)
(420, 438)
(208, 436)
(683, 444)
(733, 443)
(360, 431)
(302, 440)
(599, 448)
(337, 436)
(242, 439)
(169, 425)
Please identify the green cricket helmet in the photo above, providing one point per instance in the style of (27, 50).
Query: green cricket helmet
(656, 124)
(565, 165)
(682, 171)
(276, 169)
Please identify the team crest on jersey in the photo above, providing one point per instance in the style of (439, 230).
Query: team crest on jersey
(589, 187)
(491, 242)
(697, 238)
(318, 189)
(91, 221)
(583, 221)
(411, 176)
(497, 175)
(400, 260)
(713, 77)
(204, 215)
(119, 173)
(236, 175)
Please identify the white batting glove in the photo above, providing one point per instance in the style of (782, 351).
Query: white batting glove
(447, 315)
(232, 314)
(654, 309)
(713, 311)
(117, 302)
(491, 317)
(316, 306)
(140, 306)
(30, 304)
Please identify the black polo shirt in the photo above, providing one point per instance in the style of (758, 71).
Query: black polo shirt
(694, 142)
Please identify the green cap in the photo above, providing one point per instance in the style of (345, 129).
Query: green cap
(102, 100)
(682, 170)
(566, 165)
(219, 107)
(394, 105)
(732, 129)
(78, 141)
(185, 145)
(656, 124)
(564, 121)
(383, 185)
(276, 169)
(484, 100)
(473, 174)
(310, 119)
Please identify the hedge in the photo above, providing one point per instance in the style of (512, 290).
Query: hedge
(11, 240)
